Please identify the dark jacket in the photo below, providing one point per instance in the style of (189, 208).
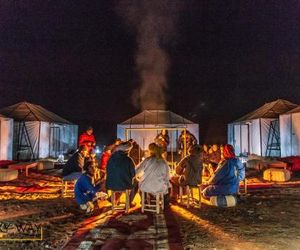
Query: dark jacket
(85, 190)
(74, 164)
(191, 168)
(120, 171)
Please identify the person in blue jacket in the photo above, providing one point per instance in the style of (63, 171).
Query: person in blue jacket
(227, 177)
(85, 189)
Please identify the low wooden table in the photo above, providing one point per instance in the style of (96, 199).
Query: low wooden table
(23, 165)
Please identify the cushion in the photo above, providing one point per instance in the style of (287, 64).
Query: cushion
(223, 201)
(8, 174)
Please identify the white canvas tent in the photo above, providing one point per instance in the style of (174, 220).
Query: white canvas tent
(258, 131)
(6, 138)
(144, 127)
(39, 133)
(290, 133)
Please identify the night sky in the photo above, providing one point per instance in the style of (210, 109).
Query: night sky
(77, 59)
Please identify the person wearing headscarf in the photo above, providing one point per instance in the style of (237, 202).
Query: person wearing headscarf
(227, 178)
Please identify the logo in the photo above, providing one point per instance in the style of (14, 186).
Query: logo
(13, 231)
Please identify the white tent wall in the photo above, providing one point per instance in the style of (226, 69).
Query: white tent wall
(295, 134)
(250, 136)
(265, 129)
(285, 122)
(290, 134)
(230, 134)
(145, 137)
(44, 140)
(6, 138)
(25, 133)
(254, 138)
(63, 138)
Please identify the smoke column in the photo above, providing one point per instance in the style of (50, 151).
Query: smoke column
(154, 23)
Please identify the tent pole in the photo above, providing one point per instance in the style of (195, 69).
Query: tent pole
(39, 139)
(260, 134)
(291, 137)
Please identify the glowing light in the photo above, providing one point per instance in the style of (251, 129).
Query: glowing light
(231, 241)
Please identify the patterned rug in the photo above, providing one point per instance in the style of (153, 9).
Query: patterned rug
(113, 231)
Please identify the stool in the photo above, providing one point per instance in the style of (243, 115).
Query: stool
(245, 186)
(157, 207)
(113, 200)
(190, 195)
(68, 188)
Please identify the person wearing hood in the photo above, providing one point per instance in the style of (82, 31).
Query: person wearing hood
(227, 178)
(120, 169)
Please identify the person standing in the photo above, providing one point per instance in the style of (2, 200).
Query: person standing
(87, 138)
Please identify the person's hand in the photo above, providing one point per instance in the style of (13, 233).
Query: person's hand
(89, 144)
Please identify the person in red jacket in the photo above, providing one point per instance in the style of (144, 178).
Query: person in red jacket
(105, 157)
(88, 139)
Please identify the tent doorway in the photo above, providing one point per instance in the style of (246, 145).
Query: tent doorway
(54, 142)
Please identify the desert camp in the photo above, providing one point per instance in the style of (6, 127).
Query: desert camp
(138, 125)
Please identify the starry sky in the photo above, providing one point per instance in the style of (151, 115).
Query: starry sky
(78, 59)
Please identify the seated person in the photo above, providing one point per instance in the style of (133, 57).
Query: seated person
(188, 138)
(74, 166)
(85, 190)
(120, 169)
(153, 173)
(105, 157)
(189, 169)
(136, 152)
(227, 178)
(88, 139)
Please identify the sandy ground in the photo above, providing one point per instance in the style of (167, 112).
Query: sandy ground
(266, 219)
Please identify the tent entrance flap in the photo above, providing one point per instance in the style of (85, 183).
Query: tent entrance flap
(55, 139)
(273, 144)
(23, 147)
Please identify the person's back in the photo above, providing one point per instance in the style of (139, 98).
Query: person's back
(154, 175)
(193, 172)
(74, 164)
(228, 176)
(190, 167)
(120, 171)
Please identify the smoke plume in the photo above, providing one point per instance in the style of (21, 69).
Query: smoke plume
(154, 23)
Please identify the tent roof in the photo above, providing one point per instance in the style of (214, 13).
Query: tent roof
(25, 111)
(295, 110)
(269, 110)
(157, 117)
